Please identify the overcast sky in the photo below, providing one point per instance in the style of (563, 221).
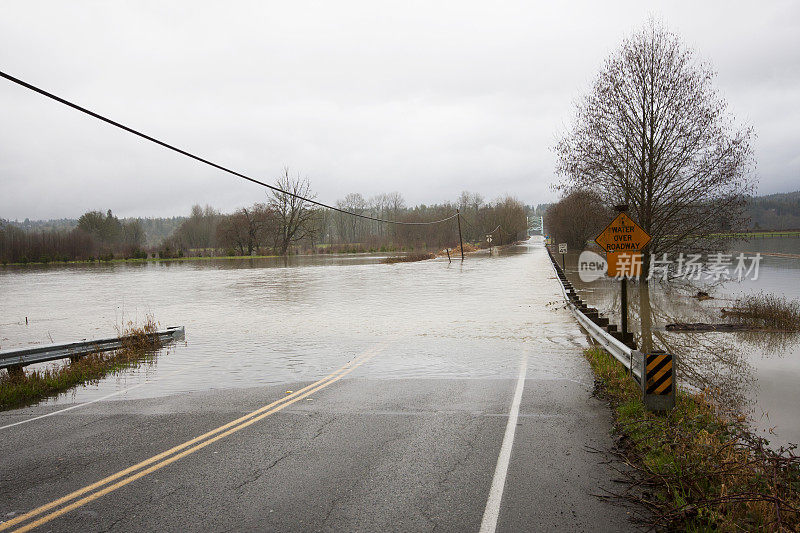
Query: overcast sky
(424, 98)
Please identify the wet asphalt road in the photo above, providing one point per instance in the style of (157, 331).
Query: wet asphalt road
(362, 453)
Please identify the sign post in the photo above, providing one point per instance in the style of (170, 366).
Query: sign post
(562, 249)
(623, 241)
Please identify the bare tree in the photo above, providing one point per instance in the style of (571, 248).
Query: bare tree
(293, 214)
(577, 218)
(198, 231)
(470, 205)
(395, 205)
(354, 203)
(509, 214)
(654, 133)
(241, 230)
(132, 234)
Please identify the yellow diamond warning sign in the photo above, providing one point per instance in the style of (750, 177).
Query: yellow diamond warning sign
(623, 235)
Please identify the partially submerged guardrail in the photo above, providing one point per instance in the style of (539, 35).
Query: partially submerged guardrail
(658, 387)
(15, 359)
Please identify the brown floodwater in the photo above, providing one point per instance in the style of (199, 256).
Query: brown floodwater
(264, 321)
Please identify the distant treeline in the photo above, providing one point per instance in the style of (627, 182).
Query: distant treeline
(274, 228)
(96, 236)
(580, 215)
(156, 229)
(280, 225)
(775, 212)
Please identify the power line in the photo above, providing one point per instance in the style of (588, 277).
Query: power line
(206, 161)
(470, 224)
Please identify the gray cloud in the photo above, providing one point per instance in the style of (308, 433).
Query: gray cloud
(371, 97)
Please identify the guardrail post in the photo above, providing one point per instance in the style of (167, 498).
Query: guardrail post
(637, 356)
(658, 381)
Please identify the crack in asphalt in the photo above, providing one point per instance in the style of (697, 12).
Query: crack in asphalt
(260, 473)
(322, 427)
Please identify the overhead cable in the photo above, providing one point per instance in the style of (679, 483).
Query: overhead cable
(206, 161)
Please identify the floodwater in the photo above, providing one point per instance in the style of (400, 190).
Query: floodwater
(755, 372)
(266, 321)
(263, 321)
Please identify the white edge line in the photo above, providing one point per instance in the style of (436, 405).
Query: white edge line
(85, 403)
(382, 346)
(69, 408)
(492, 511)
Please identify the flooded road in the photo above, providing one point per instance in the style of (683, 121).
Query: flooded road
(327, 394)
(265, 321)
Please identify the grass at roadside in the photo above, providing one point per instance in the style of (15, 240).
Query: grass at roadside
(697, 469)
(22, 390)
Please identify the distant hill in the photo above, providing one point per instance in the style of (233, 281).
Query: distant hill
(775, 211)
(155, 229)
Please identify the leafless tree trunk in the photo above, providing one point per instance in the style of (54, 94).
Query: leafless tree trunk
(654, 133)
(354, 203)
(293, 214)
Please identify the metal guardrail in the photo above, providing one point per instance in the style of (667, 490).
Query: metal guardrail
(50, 352)
(630, 358)
(654, 371)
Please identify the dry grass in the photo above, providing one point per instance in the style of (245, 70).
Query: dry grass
(468, 248)
(139, 345)
(410, 258)
(456, 252)
(695, 469)
(767, 311)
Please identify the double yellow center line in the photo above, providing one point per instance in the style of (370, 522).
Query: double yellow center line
(113, 482)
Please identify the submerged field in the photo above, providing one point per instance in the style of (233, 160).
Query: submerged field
(755, 372)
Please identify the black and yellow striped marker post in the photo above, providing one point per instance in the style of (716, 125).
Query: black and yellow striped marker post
(658, 387)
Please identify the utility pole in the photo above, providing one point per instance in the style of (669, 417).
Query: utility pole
(460, 241)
